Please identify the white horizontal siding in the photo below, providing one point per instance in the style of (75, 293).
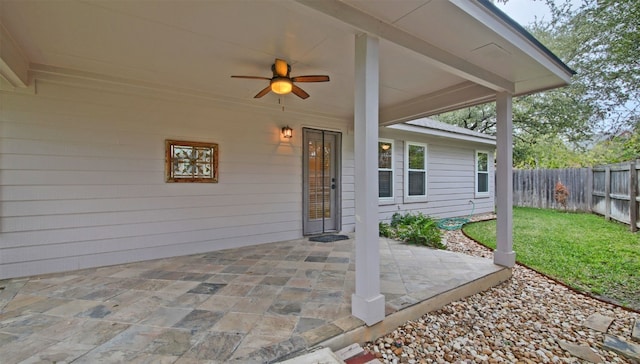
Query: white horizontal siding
(58, 234)
(47, 192)
(73, 206)
(106, 241)
(450, 178)
(82, 178)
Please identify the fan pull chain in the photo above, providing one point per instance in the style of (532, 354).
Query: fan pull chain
(281, 102)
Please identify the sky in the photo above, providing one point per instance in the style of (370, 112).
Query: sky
(524, 11)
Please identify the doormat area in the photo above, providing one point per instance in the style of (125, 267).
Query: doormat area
(328, 238)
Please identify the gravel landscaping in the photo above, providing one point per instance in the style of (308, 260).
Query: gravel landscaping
(524, 320)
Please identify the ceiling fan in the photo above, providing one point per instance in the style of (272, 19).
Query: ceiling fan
(282, 83)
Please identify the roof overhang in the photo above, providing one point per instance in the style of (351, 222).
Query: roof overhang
(435, 56)
(432, 129)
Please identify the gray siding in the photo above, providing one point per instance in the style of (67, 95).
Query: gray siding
(82, 177)
(450, 177)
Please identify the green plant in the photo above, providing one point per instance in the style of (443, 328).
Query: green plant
(385, 229)
(396, 219)
(414, 229)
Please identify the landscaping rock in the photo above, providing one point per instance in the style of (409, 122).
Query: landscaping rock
(598, 322)
(635, 334)
(624, 348)
(528, 319)
(581, 351)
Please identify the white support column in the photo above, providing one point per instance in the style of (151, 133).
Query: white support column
(504, 254)
(367, 303)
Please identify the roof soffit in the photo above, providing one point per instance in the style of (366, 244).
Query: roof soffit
(439, 57)
(203, 43)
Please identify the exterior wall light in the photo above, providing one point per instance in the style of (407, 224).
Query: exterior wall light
(287, 132)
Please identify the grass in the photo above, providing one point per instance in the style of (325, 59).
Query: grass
(583, 251)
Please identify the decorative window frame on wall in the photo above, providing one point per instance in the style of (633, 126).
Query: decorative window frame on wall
(485, 173)
(197, 164)
(382, 169)
(408, 169)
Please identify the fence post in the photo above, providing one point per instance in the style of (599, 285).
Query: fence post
(607, 193)
(589, 190)
(633, 193)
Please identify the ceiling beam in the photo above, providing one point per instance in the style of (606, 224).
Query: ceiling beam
(462, 95)
(14, 66)
(438, 57)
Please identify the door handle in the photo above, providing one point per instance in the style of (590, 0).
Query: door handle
(333, 186)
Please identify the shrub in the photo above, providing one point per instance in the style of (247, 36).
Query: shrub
(385, 230)
(413, 229)
(561, 193)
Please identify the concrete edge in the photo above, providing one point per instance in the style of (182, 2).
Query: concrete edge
(363, 334)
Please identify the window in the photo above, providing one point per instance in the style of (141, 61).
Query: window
(482, 174)
(191, 161)
(415, 172)
(385, 170)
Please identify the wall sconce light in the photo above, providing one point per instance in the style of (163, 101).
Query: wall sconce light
(287, 132)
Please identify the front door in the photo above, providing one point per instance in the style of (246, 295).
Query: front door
(321, 181)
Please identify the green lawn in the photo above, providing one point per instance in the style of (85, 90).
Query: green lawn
(582, 250)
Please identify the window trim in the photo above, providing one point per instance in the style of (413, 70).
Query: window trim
(415, 198)
(392, 198)
(477, 172)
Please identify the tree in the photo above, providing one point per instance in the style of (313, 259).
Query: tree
(604, 48)
(601, 41)
(618, 148)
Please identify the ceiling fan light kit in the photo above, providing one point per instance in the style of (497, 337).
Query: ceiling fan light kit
(282, 83)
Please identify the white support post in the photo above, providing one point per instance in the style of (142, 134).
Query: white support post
(367, 303)
(504, 254)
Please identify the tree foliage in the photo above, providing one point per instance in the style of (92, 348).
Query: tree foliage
(600, 40)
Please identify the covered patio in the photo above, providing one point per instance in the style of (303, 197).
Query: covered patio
(251, 304)
(94, 92)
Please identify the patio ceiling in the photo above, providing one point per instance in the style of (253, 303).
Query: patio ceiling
(435, 55)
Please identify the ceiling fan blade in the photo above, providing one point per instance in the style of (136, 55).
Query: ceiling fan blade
(253, 77)
(310, 78)
(281, 67)
(299, 92)
(263, 92)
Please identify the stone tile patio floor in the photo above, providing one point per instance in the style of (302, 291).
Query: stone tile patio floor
(251, 304)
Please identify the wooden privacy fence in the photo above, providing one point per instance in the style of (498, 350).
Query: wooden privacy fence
(610, 190)
(615, 192)
(535, 188)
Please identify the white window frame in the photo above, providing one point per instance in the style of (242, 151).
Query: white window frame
(392, 199)
(487, 172)
(415, 198)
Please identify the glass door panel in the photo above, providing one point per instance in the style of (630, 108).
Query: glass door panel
(320, 174)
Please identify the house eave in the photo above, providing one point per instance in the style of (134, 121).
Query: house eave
(523, 39)
(486, 140)
(520, 29)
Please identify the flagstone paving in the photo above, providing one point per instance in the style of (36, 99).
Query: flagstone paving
(253, 304)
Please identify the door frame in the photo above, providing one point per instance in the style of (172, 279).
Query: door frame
(337, 200)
